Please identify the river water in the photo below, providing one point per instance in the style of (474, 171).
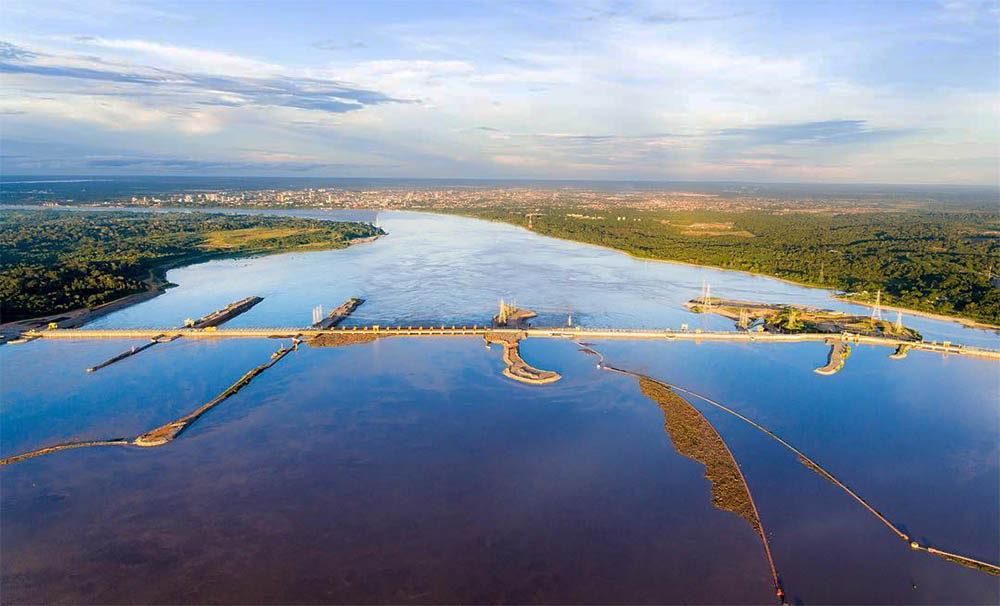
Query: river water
(412, 471)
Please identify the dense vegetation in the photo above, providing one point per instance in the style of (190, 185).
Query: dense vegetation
(941, 262)
(53, 261)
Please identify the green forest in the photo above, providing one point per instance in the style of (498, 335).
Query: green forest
(52, 261)
(939, 262)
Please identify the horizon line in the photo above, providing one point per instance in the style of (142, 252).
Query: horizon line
(4, 178)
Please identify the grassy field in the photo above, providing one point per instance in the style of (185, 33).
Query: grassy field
(251, 237)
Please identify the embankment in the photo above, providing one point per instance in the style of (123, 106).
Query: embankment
(839, 352)
(341, 339)
(165, 433)
(66, 446)
(517, 368)
(695, 438)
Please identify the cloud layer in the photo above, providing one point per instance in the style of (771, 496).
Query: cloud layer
(595, 90)
(209, 89)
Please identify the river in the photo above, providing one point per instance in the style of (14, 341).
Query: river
(411, 471)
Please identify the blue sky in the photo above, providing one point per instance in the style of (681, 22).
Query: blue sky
(889, 92)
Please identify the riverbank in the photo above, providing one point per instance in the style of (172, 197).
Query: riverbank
(924, 314)
(75, 318)
(834, 294)
(60, 262)
(157, 284)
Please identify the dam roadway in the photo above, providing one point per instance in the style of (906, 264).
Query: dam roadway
(379, 331)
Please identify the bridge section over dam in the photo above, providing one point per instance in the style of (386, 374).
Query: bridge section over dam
(378, 331)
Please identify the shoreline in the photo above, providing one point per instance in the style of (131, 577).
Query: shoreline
(834, 294)
(967, 322)
(157, 284)
(75, 318)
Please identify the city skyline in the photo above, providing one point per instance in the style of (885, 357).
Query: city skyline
(877, 93)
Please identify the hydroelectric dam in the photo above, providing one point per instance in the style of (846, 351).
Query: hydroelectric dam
(379, 331)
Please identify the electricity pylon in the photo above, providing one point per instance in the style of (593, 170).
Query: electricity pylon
(744, 318)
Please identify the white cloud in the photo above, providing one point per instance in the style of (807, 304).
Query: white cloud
(178, 57)
(717, 63)
(112, 113)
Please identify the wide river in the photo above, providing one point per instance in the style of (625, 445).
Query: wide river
(412, 471)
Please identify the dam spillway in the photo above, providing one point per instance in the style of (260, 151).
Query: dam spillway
(379, 331)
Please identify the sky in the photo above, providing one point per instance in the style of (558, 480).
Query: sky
(874, 92)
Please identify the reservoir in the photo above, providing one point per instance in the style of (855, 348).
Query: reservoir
(413, 471)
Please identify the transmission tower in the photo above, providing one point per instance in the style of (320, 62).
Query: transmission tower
(744, 318)
(877, 310)
(317, 314)
(899, 322)
(706, 295)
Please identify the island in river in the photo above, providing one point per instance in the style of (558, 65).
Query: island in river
(81, 265)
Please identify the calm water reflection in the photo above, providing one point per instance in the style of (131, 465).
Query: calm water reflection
(920, 442)
(337, 477)
(412, 471)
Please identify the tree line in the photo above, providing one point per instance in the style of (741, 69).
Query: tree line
(941, 262)
(54, 261)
